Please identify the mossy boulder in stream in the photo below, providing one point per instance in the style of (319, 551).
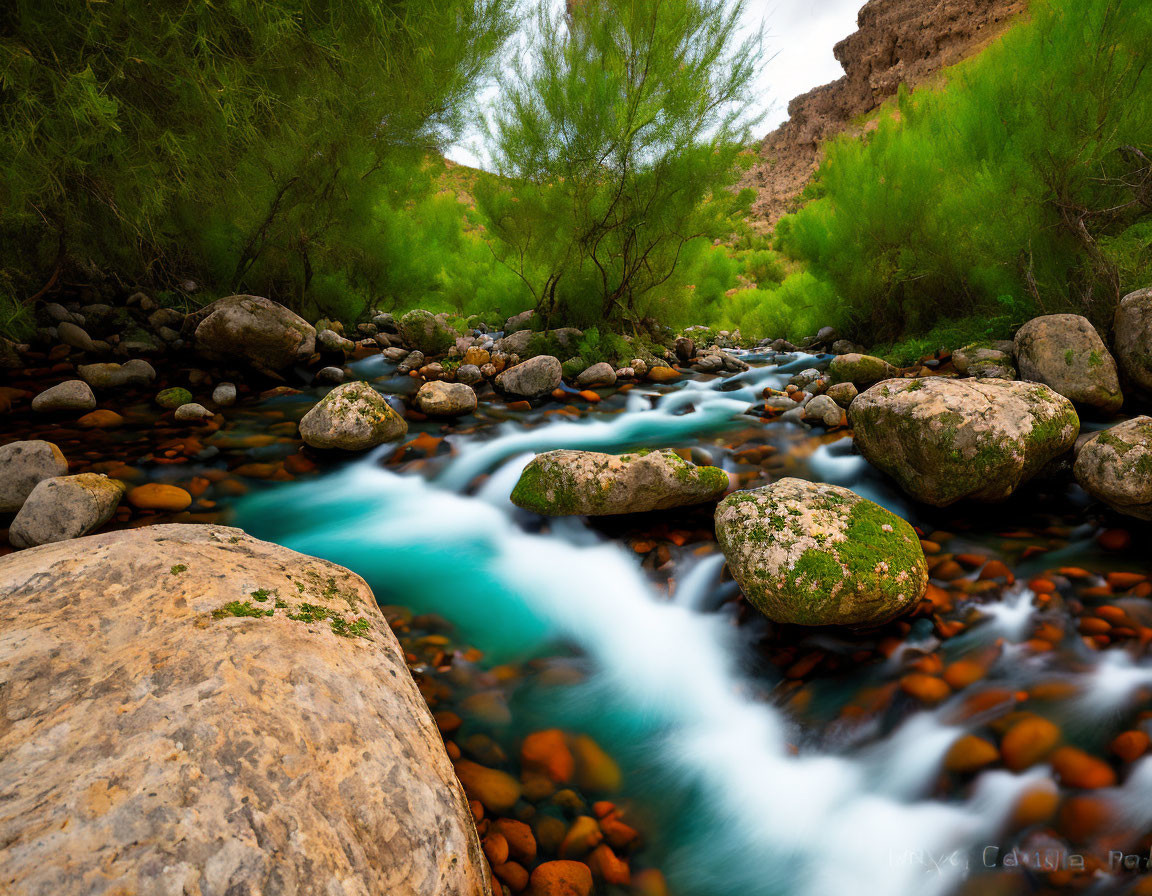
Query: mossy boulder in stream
(944, 440)
(585, 483)
(425, 332)
(1065, 352)
(862, 370)
(813, 554)
(352, 417)
(1115, 466)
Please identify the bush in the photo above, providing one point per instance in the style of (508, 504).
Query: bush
(1028, 175)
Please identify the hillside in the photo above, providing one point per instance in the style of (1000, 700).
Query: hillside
(898, 42)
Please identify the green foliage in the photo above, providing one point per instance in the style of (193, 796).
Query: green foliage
(947, 334)
(251, 145)
(618, 140)
(1029, 175)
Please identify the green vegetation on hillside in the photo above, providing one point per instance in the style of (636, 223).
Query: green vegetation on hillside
(1023, 186)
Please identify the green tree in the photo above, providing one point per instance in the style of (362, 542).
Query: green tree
(236, 141)
(617, 141)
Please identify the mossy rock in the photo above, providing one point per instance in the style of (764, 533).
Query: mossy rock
(573, 367)
(861, 370)
(425, 332)
(944, 440)
(1065, 352)
(173, 398)
(352, 417)
(585, 483)
(1116, 467)
(814, 554)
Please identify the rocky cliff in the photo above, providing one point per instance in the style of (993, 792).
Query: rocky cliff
(898, 41)
(186, 709)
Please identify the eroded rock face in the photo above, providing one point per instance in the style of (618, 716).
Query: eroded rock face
(65, 507)
(532, 378)
(1133, 340)
(156, 743)
(1064, 352)
(1115, 466)
(814, 554)
(943, 440)
(586, 483)
(352, 417)
(23, 465)
(253, 331)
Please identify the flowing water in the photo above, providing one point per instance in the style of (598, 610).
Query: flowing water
(750, 779)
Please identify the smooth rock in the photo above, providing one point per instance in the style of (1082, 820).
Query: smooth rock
(224, 395)
(600, 374)
(944, 440)
(251, 330)
(352, 417)
(331, 341)
(1115, 466)
(75, 336)
(986, 360)
(159, 744)
(585, 483)
(531, 379)
(71, 395)
(334, 375)
(469, 374)
(522, 321)
(159, 496)
(25, 464)
(560, 878)
(1132, 342)
(101, 418)
(860, 370)
(114, 376)
(65, 507)
(515, 343)
(173, 397)
(1065, 353)
(842, 393)
(437, 399)
(427, 332)
(191, 411)
(822, 409)
(685, 349)
(814, 554)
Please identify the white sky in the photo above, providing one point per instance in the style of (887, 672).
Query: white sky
(799, 37)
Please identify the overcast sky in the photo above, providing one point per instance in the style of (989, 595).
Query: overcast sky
(800, 35)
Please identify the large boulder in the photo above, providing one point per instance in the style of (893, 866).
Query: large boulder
(251, 330)
(437, 399)
(65, 507)
(812, 554)
(190, 710)
(424, 331)
(1065, 353)
(23, 465)
(531, 379)
(1115, 466)
(861, 370)
(1133, 340)
(943, 440)
(352, 417)
(585, 483)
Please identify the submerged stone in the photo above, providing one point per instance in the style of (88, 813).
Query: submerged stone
(814, 554)
(585, 483)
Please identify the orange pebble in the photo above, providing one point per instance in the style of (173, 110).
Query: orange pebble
(926, 688)
(496, 848)
(157, 496)
(969, 754)
(1077, 769)
(963, 673)
(1122, 581)
(649, 882)
(1037, 804)
(1028, 741)
(561, 879)
(609, 867)
(513, 874)
(1082, 817)
(995, 569)
(521, 842)
(547, 752)
(1130, 745)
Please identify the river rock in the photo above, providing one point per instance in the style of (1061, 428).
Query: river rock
(173, 397)
(173, 730)
(824, 410)
(332, 342)
(945, 439)
(1115, 466)
(469, 374)
(252, 330)
(427, 332)
(522, 321)
(1133, 340)
(1065, 353)
(861, 370)
(437, 399)
(224, 395)
(600, 374)
(685, 349)
(71, 395)
(352, 417)
(531, 379)
(77, 337)
(990, 360)
(65, 507)
(585, 483)
(813, 554)
(114, 376)
(22, 466)
(192, 412)
(331, 375)
(843, 394)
